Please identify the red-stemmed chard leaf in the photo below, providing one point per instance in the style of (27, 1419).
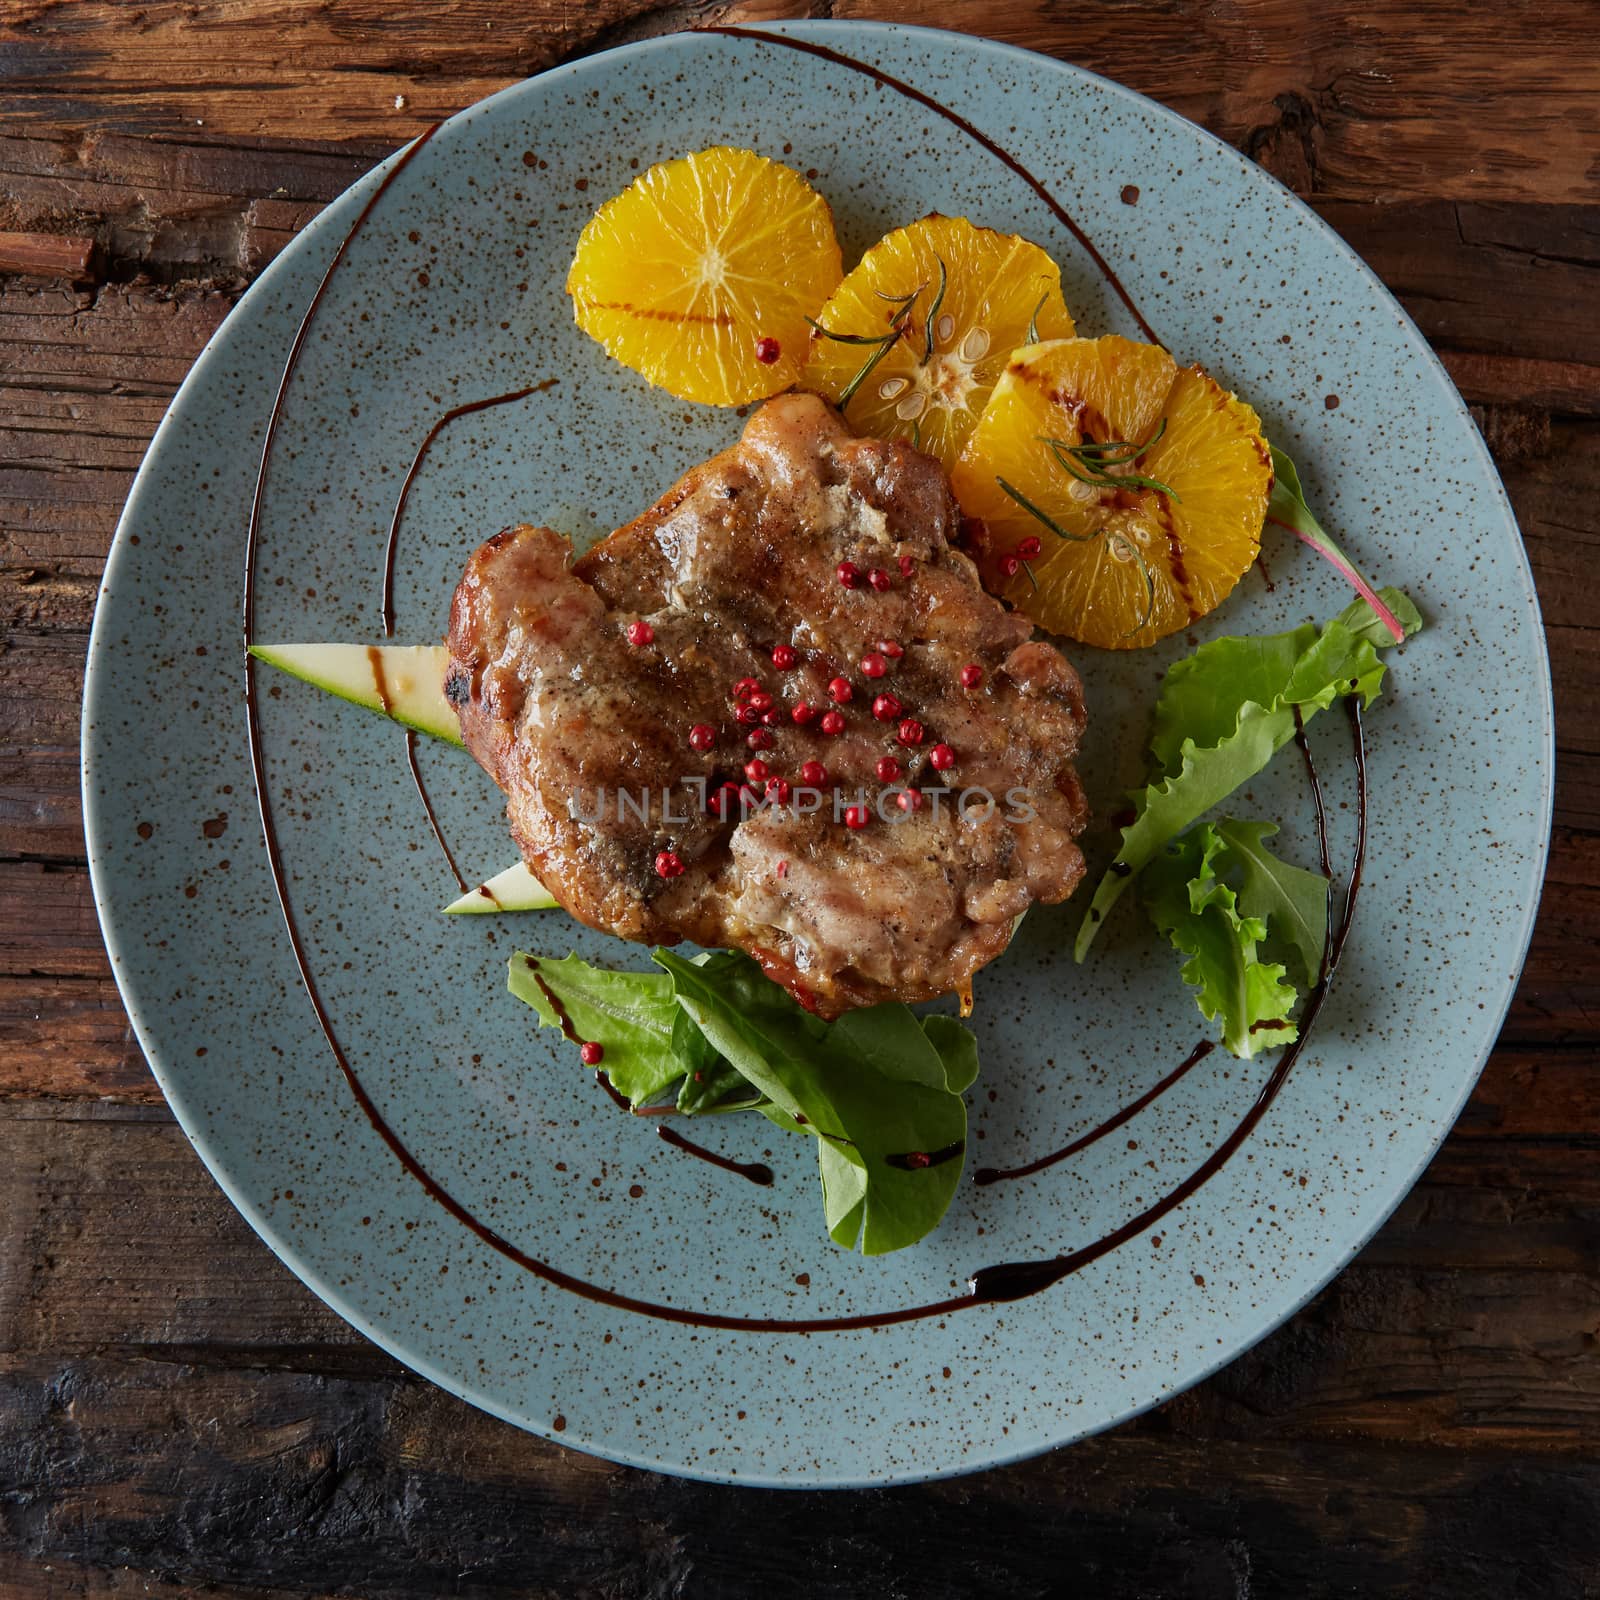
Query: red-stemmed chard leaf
(1288, 509)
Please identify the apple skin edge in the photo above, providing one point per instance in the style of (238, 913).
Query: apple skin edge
(515, 889)
(404, 683)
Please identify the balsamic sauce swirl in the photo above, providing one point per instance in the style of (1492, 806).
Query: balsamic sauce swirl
(888, 81)
(391, 544)
(1003, 1282)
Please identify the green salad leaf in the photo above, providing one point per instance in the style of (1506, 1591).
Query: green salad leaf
(1185, 892)
(633, 1014)
(1288, 509)
(880, 1091)
(1291, 901)
(1225, 711)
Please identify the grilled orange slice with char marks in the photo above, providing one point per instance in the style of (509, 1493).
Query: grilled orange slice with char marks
(1141, 485)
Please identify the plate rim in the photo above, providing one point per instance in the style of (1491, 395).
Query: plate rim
(98, 693)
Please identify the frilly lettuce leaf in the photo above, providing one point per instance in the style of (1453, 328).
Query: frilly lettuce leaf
(1291, 901)
(879, 1090)
(1188, 900)
(1225, 711)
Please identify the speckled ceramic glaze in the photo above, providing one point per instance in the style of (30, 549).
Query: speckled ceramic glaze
(452, 291)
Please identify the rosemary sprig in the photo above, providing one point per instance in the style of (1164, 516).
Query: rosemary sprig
(1043, 517)
(881, 343)
(1090, 463)
(1033, 318)
(1119, 540)
(1149, 583)
(933, 312)
(855, 338)
(1087, 455)
(1114, 452)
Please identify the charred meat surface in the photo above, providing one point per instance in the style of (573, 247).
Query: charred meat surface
(619, 700)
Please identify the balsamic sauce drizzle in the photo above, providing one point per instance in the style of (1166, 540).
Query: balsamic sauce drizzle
(432, 815)
(987, 1175)
(911, 92)
(1316, 799)
(1004, 1282)
(410, 478)
(756, 1171)
(387, 609)
(920, 1160)
(613, 1093)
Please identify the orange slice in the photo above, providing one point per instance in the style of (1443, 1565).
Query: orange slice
(914, 338)
(701, 275)
(1141, 485)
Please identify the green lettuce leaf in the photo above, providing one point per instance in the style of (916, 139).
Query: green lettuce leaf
(1291, 901)
(1225, 711)
(632, 1014)
(650, 1045)
(1190, 903)
(958, 1050)
(877, 1090)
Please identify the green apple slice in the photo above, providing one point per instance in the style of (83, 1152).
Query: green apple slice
(403, 681)
(515, 889)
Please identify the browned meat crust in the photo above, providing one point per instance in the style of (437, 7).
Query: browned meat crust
(739, 557)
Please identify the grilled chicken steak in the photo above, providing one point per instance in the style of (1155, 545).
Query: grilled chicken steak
(800, 580)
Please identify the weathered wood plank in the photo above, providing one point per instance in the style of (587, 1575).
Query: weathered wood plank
(392, 1489)
(1567, 388)
(69, 1039)
(1460, 268)
(41, 812)
(48, 926)
(1371, 101)
(66, 1578)
(168, 209)
(46, 255)
(43, 689)
(116, 1236)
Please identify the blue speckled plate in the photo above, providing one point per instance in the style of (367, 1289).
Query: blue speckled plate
(453, 291)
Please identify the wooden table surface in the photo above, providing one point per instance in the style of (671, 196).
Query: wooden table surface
(178, 1415)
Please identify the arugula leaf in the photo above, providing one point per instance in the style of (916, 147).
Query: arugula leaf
(1221, 716)
(1291, 901)
(1288, 509)
(875, 1089)
(1189, 902)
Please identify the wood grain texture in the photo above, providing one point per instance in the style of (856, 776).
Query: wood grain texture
(384, 1487)
(179, 1416)
(1373, 100)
